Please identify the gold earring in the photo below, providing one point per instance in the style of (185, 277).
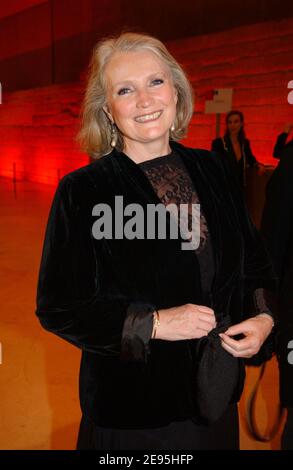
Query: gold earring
(113, 135)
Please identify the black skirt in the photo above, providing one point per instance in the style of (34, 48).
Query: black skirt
(178, 435)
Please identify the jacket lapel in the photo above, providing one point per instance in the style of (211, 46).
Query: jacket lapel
(215, 200)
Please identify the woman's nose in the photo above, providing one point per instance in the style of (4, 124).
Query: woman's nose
(144, 99)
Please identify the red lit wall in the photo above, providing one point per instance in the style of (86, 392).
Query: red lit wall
(257, 62)
(37, 133)
(16, 6)
(45, 42)
(38, 126)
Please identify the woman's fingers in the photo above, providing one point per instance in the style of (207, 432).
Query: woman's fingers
(255, 331)
(204, 319)
(242, 348)
(238, 345)
(206, 324)
(201, 333)
(204, 309)
(239, 328)
(244, 354)
(206, 314)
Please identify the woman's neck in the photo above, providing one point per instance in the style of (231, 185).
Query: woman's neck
(140, 152)
(234, 137)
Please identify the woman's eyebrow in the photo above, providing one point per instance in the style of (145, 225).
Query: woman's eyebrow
(130, 81)
(124, 82)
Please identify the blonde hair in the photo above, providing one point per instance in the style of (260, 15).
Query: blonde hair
(95, 132)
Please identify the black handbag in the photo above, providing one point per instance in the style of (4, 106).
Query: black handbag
(216, 374)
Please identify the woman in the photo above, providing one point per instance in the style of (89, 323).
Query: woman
(235, 146)
(137, 304)
(282, 142)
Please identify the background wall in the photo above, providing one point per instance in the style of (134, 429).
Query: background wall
(38, 126)
(256, 61)
(45, 42)
(44, 49)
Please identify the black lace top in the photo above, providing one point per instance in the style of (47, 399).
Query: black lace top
(172, 184)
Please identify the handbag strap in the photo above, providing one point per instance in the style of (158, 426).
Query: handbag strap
(251, 413)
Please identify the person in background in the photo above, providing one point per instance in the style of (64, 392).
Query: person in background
(282, 142)
(138, 306)
(235, 147)
(277, 231)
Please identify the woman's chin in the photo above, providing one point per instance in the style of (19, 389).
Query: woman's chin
(155, 134)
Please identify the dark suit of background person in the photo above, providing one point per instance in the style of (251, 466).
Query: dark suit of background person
(281, 144)
(235, 146)
(277, 229)
(223, 146)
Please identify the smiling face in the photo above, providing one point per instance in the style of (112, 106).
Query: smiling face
(141, 100)
(234, 124)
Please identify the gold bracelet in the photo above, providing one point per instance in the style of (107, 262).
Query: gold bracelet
(156, 322)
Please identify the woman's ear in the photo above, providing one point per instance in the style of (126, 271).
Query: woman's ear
(107, 112)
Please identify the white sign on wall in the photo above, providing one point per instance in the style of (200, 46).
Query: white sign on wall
(221, 102)
(290, 94)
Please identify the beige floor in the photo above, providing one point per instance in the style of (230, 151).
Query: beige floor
(39, 406)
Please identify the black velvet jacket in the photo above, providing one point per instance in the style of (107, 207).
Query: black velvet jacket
(277, 229)
(281, 145)
(100, 294)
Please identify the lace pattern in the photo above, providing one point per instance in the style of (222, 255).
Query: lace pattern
(173, 185)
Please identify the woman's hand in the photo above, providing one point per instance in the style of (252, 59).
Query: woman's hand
(185, 322)
(255, 331)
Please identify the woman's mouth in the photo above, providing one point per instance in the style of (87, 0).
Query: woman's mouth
(148, 117)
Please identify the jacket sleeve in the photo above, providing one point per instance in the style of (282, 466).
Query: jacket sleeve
(259, 279)
(217, 145)
(277, 215)
(71, 299)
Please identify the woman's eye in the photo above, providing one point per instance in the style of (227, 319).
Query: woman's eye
(123, 91)
(157, 81)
